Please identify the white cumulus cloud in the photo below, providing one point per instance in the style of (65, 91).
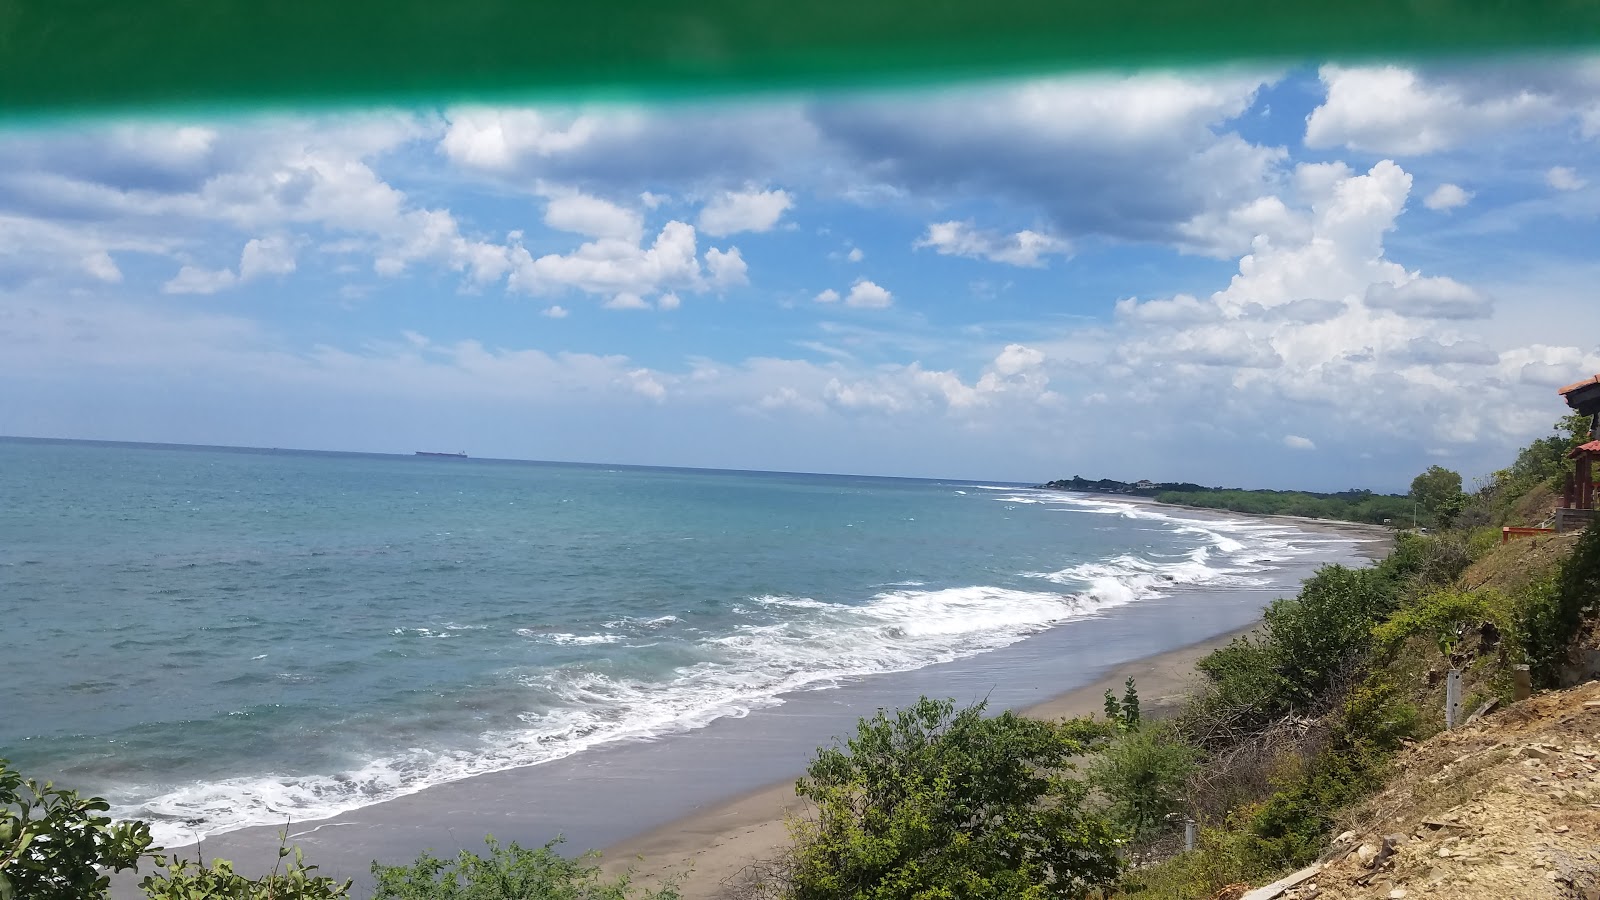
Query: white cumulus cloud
(1446, 197)
(727, 268)
(1296, 442)
(731, 212)
(868, 295)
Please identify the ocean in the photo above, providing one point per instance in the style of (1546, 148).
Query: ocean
(216, 638)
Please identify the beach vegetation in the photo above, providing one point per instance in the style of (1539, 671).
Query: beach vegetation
(508, 872)
(1123, 715)
(1349, 506)
(931, 801)
(1557, 609)
(291, 879)
(57, 845)
(1437, 492)
(1142, 774)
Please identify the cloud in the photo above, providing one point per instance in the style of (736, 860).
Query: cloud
(1447, 197)
(102, 267)
(1025, 248)
(555, 312)
(266, 256)
(1296, 442)
(727, 268)
(609, 266)
(591, 216)
(855, 255)
(1411, 111)
(1180, 310)
(1429, 351)
(644, 383)
(828, 296)
(1132, 157)
(668, 302)
(1563, 178)
(865, 294)
(192, 280)
(1016, 359)
(731, 212)
(626, 300)
(1430, 298)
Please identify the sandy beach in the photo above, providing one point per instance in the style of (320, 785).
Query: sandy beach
(709, 852)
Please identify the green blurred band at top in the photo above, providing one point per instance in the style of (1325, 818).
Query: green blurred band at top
(62, 56)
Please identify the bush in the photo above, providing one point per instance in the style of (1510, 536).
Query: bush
(1319, 634)
(935, 803)
(1442, 616)
(1554, 611)
(1289, 829)
(185, 880)
(508, 872)
(54, 845)
(1143, 774)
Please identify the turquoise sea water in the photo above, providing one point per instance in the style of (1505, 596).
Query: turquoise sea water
(216, 638)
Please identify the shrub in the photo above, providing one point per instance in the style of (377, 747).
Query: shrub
(1143, 774)
(1554, 611)
(508, 872)
(1442, 616)
(935, 803)
(54, 845)
(185, 880)
(1318, 634)
(1244, 691)
(1289, 829)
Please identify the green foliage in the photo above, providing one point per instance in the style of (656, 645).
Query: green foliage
(1349, 506)
(1290, 828)
(508, 872)
(1123, 714)
(1438, 492)
(1143, 774)
(1442, 616)
(54, 845)
(190, 880)
(1554, 612)
(1327, 628)
(935, 803)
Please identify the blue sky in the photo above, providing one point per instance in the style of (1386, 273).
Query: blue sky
(1319, 276)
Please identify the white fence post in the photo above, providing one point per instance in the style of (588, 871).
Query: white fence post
(1452, 698)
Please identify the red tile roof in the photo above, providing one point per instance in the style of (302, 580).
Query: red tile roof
(1584, 383)
(1591, 447)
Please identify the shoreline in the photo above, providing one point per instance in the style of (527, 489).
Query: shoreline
(710, 848)
(717, 795)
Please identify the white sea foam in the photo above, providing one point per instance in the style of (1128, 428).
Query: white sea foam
(785, 643)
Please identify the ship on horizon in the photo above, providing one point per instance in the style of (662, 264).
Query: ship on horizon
(461, 454)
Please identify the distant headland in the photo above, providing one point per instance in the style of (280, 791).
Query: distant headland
(1354, 505)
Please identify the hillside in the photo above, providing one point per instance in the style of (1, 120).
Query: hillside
(1506, 808)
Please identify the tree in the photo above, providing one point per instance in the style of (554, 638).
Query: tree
(935, 803)
(1143, 774)
(54, 845)
(1437, 491)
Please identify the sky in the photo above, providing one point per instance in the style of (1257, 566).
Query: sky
(1321, 276)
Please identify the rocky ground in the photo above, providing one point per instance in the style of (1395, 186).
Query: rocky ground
(1505, 808)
